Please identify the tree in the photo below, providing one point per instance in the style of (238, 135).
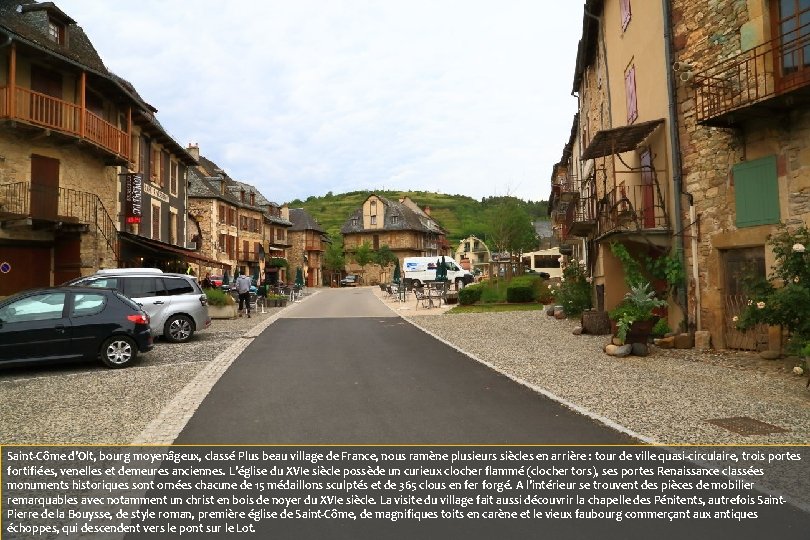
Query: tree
(362, 256)
(383, 257)
(333, 259)
(510, 229)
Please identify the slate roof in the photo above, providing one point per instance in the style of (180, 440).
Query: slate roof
(303, 221)
(409, 219)
(204, 183)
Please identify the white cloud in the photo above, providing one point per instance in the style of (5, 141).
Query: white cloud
(300, 98)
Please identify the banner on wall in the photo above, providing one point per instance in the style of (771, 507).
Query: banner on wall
(133, 196)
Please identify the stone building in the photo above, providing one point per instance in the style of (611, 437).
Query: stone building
(743, 70)
(234, 220)
(724, 92)
(308, 242)
(73, 139)
(401, 225)
(473, 254)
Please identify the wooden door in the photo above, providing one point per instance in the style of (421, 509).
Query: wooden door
(44, 188)
(44, 110)
(24, 268)
(67, 261)
(738, 266)
(647, 191)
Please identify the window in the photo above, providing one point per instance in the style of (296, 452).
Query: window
(87, 304)
(172, 227)
(41, 307)
(156, 222)
(173, 177)
(143, 287)
(630, 94)
(626, 13)
(232, 217)
(222, 241)
(394, 219)
(280, 234)
(376, 241)
(373, 220)
(355, 222)
(103, 283)
(222, 213)
(756, 192)
(56, 32)
(256, 225)
(177, 286)
(245, 249)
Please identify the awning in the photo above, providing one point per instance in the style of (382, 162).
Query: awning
(620, 139)
(157, 246)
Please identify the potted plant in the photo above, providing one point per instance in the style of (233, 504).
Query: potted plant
(276, 300)
(634, 316)
(221, 305)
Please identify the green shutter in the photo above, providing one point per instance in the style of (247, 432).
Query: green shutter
(756, 191)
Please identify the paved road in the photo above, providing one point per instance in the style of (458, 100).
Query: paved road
(342, 368)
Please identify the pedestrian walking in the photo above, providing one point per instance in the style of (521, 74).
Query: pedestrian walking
(206, 282)
(243, 289)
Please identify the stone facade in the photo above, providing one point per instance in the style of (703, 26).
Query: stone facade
(705, 39)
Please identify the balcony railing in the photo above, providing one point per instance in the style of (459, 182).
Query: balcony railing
(772, 69)
(53, 113)
(24, 200)
(248, 256)
(632, 208)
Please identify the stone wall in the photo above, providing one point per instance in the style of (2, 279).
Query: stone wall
(705, 36)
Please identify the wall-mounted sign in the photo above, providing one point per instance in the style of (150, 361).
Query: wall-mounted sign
(133, 196)
(155, 193)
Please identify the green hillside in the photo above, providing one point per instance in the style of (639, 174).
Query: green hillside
(460, 215)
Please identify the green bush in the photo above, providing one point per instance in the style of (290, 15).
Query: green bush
(493, 293)
(519, 293)
(575, 292)
(661, 328)
(218, 297)
(470, 294)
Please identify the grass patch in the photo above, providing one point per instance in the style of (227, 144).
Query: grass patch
(495, 308)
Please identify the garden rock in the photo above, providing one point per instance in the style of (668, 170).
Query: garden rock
(666, 343)
(683, 341)
(770, 355)
(703, 340)
(550, 311)
(559, 314)
(623, 351)
(577, 331)
(640, 349)
(611, 349)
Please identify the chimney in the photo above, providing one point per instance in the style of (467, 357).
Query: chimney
(427, 210)
(194, 150)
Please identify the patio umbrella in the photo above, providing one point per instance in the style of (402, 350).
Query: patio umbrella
(441, 270)
(397, 273)
(299, 277)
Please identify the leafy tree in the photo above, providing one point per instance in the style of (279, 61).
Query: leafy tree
(510, 229)
(383, 257)
(333, 259)
(362, 256)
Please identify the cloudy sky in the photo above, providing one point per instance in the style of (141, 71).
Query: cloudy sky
(308, 96)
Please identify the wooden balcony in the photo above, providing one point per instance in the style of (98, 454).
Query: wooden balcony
(59, 205)
(581, 216)
(24, 105)
(247, 256)
(767, 80)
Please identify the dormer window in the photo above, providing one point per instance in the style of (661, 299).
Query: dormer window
(56, 32)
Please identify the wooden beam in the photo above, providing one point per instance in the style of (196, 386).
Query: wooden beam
(12, 82)
(82, 103)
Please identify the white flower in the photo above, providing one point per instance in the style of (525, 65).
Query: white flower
(750, 302)
(798, 370)
(735, 318)
(589, 279)
(560, 258)
(582, 262)
(798, 248)
(796, 279)
(562, 279)
(760, 305)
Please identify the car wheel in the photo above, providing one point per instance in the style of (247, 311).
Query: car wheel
(417, 283)
(118, 352)
(178, 328)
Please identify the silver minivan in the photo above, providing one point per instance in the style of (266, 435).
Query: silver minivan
(176, 304)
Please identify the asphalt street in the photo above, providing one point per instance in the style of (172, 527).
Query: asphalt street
(342, 368)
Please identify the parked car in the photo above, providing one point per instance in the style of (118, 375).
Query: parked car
(176, 304)
(349, 281)
(216, 281)
(70, 323)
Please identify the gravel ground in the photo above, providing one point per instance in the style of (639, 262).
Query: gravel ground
(667, 397)
(85, 403)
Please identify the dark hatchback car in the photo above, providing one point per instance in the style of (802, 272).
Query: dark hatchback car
(72, 323)
(349, 281)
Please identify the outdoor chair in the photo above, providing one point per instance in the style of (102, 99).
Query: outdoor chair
(421, 297)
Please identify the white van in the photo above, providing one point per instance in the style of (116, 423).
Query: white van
(422, 269)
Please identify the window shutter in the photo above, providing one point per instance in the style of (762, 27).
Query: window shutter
(626, 12)
(156, 222)
(756, 192)
(630, 90)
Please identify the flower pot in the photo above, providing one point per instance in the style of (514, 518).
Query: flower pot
(640, 332)
(222, 312)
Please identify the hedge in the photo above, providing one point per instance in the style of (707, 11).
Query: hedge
(470, 294)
